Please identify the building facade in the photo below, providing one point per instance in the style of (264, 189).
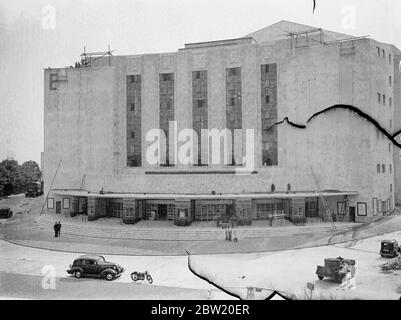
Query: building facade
(200, 132)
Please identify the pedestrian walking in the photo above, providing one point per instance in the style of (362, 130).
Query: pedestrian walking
(226, 230)
(229, 233)
(235, 239)
(55, 227)
(58, 228)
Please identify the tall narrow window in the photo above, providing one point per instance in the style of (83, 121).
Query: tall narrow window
(166, 112)
(269, 114)
(390, 81)
(199, 108)
(134, 143)
(53, 81)
(379, 97)
(233, 104)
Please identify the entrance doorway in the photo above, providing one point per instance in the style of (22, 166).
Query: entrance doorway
(230, 210)
(58, 206)
(312, 208)
(352, 214)
(162, 212)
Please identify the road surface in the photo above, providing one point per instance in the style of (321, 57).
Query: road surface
(27, 273)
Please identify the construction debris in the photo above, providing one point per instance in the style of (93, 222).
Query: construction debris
(394, 264)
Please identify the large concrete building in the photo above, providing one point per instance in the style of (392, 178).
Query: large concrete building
(105, 121)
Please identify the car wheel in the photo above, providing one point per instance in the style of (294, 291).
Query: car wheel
(78, 274)
(320, 277)
(109, 276)
(134, 276)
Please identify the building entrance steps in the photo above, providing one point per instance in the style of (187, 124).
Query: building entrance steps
(166, 230)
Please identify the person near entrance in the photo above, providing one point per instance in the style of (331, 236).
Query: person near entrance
(58, 228)
(229, 230)
(55, 227)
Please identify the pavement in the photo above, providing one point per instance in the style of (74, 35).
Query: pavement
(22, 229)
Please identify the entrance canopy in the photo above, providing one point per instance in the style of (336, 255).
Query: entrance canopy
(282, 195)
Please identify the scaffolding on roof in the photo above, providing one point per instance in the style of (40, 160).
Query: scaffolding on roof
(87, 58)
(307, 36)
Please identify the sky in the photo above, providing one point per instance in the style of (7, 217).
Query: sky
(36, 34)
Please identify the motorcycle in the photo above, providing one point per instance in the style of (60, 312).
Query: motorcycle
(135, 276)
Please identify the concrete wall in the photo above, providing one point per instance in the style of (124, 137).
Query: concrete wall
(397, 126)
(85, 120)
(78, 126)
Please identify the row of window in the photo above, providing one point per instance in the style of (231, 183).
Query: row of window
(381, 168)
(200, 109)
(381, 98)
(134, 137)
(66, 203)
(382, 54)
(381, 206)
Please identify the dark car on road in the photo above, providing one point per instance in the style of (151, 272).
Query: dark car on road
(389, 248)
(95, 266)
(5, 213)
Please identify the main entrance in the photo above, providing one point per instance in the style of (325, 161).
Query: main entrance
(159, 209)
(162, 212)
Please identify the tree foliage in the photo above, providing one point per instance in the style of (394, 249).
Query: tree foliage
(15, 178)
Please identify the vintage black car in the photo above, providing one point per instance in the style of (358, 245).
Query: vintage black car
(95, 266)
(5, 213)
(389, 248)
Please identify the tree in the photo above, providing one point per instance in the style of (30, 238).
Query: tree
(15, 178)
(31, 171)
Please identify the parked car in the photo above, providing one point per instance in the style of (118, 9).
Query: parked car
(336, 268)
(389, 248)
(5, 213)
(95, 266)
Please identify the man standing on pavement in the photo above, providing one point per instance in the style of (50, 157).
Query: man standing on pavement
(55, 227)
(58, 228)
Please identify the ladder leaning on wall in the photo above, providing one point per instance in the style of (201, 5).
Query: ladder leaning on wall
(322, 198)
(344, 209)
